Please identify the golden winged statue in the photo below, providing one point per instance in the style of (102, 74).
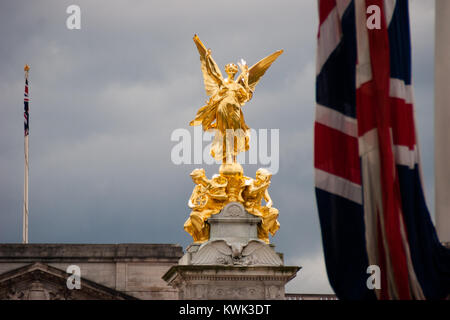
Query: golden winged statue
(222, 112)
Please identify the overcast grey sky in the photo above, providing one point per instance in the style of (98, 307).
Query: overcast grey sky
(105, 100)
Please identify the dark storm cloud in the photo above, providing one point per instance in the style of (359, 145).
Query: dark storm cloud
(105, 100)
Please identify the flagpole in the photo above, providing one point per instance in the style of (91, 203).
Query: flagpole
(25, 197)
(25, 187)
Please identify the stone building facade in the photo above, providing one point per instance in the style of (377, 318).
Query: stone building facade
(108, 272)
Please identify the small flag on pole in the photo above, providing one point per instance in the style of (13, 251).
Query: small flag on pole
(26, 100)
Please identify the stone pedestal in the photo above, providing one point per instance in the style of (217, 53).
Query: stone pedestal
(232, 264)
(229, 282)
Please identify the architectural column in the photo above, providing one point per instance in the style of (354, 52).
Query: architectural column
(442, 119)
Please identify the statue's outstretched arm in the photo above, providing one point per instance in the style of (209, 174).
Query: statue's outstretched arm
(256, 72)
(243, 80)
(219, 197)
(268, 199)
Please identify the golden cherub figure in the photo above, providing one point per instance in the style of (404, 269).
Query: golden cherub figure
(222, 111)
(208, 198)
(253, 194)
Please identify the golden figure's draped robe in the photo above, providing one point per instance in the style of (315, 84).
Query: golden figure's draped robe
(223, 112)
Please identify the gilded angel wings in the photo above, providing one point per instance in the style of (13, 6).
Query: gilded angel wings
(213, 79)
(222, 111)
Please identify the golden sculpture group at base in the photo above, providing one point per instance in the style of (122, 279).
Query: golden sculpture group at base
(223, 115)
(210, 196)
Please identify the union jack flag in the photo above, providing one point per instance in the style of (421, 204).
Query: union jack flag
(26, 99)
(369, 192)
